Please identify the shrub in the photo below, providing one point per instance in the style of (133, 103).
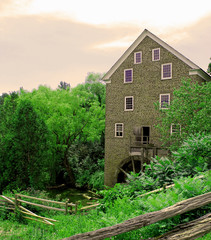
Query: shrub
(194, 154)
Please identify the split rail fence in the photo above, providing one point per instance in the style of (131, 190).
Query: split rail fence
(10, 203)
(195, 228)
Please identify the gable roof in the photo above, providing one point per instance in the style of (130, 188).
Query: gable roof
(193, 66)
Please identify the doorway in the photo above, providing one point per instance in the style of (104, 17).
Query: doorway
(145, 135)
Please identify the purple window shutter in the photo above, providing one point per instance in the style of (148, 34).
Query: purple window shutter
(138, 57)
(156, 54)
(166, 71)
(164, 101)
(128, 76)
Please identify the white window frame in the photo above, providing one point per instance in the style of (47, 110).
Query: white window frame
(153, 59)
(172, 133)
(125, 76)
(119, 131)
(164, 94)
(135, 57)
(162, 78)
(132, 103)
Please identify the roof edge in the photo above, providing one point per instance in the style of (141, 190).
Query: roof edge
(200, 72)
(136, 43)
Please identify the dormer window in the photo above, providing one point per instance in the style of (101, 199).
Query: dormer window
(156, 54)
(137, 57)
(128, 75)
(164, 101)
(166, 71)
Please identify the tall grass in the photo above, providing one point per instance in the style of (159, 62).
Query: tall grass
(117, 211)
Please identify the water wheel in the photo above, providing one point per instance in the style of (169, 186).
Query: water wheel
(132, 165)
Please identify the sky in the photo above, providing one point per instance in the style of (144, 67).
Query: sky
(43, 42)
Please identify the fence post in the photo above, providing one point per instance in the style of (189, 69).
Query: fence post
(16, 200)
(76, 207)
(66, 206)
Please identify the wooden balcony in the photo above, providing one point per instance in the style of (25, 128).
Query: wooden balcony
(142, 145)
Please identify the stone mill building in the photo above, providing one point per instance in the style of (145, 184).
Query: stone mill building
(147, 72)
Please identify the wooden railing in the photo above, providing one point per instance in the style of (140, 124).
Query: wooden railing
(14, 204)
(65, 206)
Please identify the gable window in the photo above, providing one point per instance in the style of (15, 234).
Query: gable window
(156, 54)
(118, 129)
(128, 75)
(164, 101)
(129, 103)
(175, 129)
(166, 71)
(137, 57)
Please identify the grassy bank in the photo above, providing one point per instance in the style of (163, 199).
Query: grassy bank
(117, 211)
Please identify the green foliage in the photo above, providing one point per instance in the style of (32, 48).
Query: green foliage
(70, 116)
(116, 212)
(209, 68)
(194, 154)
(190, 108)
(41, 132)
(86, 159)
(97, 180)
(64, 86)
(26, 150)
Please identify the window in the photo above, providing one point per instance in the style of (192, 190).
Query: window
(156, 54)
(164, 101)
(137, 57)
(118, 129)
(128, 75)
(166, 71)
(175, 129)
(129, 103)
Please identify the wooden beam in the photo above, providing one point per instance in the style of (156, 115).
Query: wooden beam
(133, 164)
(146, 219)
(37, 220)
(42, 200)
(35, 215)
(42, 206)
(126, 174)
(191, 230)
(90, 206)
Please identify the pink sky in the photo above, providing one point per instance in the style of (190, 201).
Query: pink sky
(43, 42)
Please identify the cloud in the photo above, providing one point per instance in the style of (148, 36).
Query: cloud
(4, 4)
(46, 50)
(193, 41)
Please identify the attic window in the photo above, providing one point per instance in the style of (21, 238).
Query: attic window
(164, 101)
(128, 75)
(129, 103)
(118, 129)
(175, 129)
(137, 57)
(156, 54)
(166, 71)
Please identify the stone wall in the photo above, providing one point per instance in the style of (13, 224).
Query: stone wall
(145, 88)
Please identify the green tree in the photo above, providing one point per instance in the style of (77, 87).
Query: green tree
(7, 108)
(64, 85)
(69, 115)
(190, 110)
(26, 155)
(209, 68)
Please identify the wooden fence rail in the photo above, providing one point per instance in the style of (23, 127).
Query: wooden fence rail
(10, 203)
(65, 205)
(146, 219)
